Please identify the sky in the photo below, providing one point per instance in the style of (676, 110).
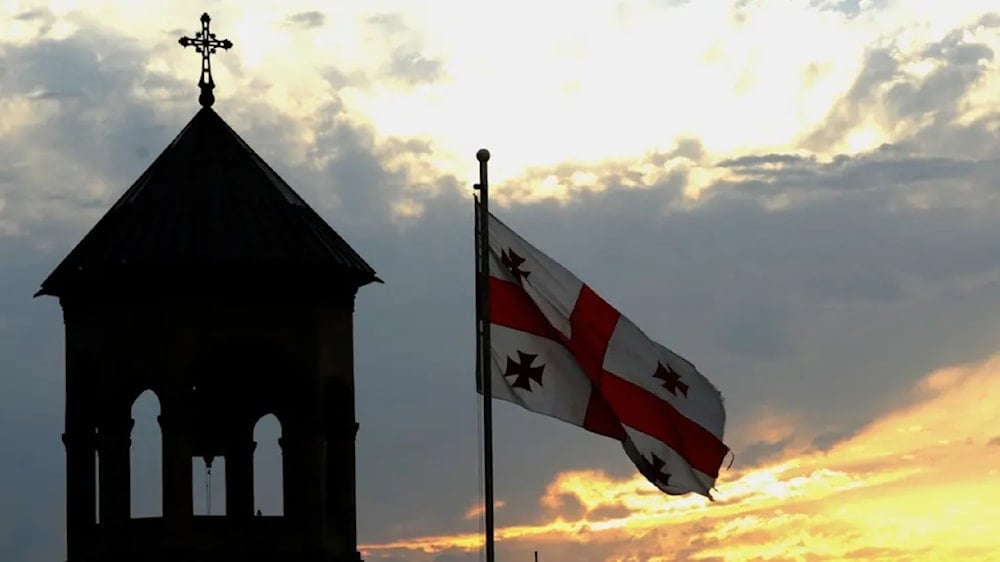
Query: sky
(800, 197)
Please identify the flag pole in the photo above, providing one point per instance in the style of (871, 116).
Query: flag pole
(485, 363)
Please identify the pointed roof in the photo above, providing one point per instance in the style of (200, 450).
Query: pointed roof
(208, 211)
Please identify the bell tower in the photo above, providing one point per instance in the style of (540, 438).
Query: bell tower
(211, 283)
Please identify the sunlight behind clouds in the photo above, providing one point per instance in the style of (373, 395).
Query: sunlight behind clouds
(559, 83)
(589, 91)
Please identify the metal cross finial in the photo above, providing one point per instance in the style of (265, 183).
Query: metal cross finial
(204, 42)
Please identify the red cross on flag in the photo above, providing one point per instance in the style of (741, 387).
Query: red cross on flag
(559, 349)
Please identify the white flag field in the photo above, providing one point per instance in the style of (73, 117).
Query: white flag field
(559, 349)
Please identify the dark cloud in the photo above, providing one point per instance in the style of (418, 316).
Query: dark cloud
(337, 79)
(690, 148)
(826, 440)
(570, 508)
(391, 24)
(880, 67)
(413, 68)
(885, 167)
(33, 14)
(940, 92)
(609, 512)
(756, 329)
(86, 82)
(990, 20)
(754, 160)
(43, 18)
(853, 7)
(884, 91)
(728, 284)
(854, 283)
(762, 451)
(307, 20)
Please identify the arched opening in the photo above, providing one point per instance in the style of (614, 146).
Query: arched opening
(208, 486)
(268, 493)
(146, 457)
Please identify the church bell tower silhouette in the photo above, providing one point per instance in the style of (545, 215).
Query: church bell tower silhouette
(211, 283)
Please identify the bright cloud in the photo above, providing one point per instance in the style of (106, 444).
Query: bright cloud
(555, 84)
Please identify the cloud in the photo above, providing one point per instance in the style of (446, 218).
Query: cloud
(763, 450)
(412, 67)
(729, 259)
(698, 274)
(39, 15)
(408, 64)
(861, 498)
(307, 20)
(477, 511)
(887, 167)
(756, 160)
(826, 440)
(907, 92)
(70, 93)
(813, 283)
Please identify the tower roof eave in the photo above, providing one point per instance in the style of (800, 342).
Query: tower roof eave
(209, 203)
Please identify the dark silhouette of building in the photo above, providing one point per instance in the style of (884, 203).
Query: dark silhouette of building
(213, 284)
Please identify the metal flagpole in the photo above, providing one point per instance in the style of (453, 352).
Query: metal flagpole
(483, 156)
(479, 363)
(479, 306)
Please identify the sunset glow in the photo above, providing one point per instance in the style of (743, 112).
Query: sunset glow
(921, 483)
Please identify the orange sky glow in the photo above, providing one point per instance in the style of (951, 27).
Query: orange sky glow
(921, 483)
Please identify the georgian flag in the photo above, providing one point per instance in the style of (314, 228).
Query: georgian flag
(560, 350)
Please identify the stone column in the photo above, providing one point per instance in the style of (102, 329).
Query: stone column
(81, 490)
(177, 504)
(290, 482)
(340, 429)
(239, 477)
(114, 440)
(80, 438)
(341, 525)
(314, 479)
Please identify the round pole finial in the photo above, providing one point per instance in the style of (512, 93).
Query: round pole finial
(483, 155)
(206, 98)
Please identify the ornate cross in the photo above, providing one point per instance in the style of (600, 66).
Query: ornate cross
(204, 42)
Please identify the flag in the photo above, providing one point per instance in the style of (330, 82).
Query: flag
(557, 348)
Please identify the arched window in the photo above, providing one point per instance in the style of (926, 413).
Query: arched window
(146, 457)
(267, 472)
